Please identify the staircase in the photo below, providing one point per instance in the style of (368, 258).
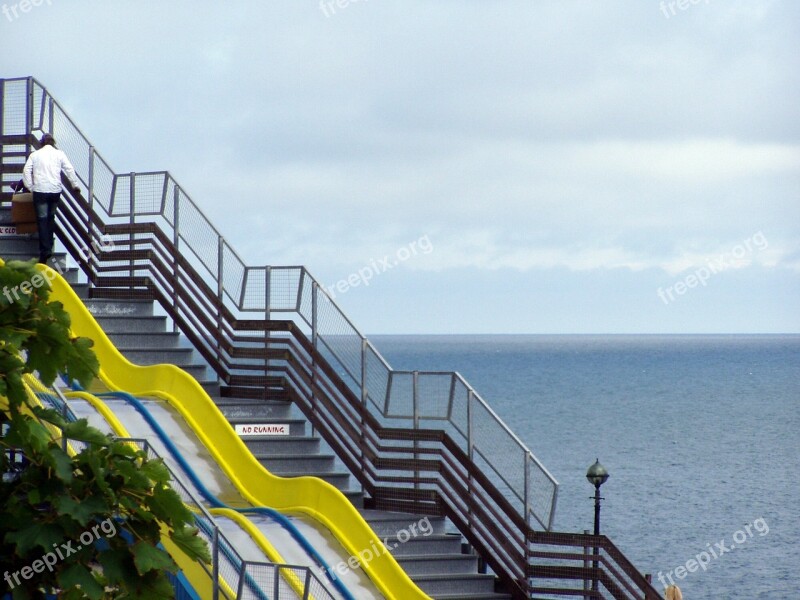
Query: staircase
(432, 558)
(271, 347)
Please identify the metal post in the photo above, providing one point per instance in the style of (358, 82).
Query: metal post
(364, 396)
(416, 425)
(220, 298)
(28, 114)
(176, 215)
(90, 274)
(596, 550)
(307, 590)
(215, 564)
(51, 117)
(471, 453)
(315, 348)
(586, 582)
(267, 317)
(276, 590)
(2, 106)
(132, 222)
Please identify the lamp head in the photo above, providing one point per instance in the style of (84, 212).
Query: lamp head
(597, 474)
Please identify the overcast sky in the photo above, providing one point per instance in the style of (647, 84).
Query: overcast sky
(531, 167)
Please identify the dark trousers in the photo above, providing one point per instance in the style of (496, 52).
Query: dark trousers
(46, 206)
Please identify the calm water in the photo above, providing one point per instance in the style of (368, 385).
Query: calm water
(701, 436)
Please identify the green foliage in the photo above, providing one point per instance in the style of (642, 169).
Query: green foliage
(109, 491)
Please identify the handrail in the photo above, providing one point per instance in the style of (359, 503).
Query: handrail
(165, 249)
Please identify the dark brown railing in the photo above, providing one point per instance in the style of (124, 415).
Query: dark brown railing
(127, 252)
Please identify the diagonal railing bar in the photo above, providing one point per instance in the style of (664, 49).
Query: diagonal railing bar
(417, 441)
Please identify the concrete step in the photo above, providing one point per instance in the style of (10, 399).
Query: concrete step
(456, 585)
(156, 356)
(447, 543)
(292, 463)
(145, 341)
(126, 324)
(340, 481)
(20, 244)
(386, 523)
(283, 444)
(439, 564)
(247, 407)
(119, 308)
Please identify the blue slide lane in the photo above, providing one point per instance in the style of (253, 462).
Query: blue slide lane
(215, 502)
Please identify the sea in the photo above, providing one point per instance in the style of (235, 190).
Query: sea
(700, 435)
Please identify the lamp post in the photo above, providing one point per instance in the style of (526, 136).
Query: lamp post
(597, 476)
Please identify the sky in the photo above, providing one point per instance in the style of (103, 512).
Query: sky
(463, 166)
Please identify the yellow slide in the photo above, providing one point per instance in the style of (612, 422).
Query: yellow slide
(302, 495)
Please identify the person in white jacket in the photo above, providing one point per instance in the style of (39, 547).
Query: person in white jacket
(42, 176)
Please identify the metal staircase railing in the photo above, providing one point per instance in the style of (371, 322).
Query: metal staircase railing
(449, 452)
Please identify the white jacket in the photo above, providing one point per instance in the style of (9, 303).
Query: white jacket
(42, 172)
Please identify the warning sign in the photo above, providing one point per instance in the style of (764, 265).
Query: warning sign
(262, 429)
(8, 230)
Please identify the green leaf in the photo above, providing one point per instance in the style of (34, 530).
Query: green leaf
(82, 510)
(77, 575)
(156, 471)
(188, 540)
(43, 535)
(81, 430)
(167, 506)
(147, 557)
(117, 565)
(61, 463)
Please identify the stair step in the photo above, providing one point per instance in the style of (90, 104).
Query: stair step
(125, 324)
(119, 308)
(280, 444)
(145, 341)
(292, 463)
(341, 481)
(156, 356)
(456, 585)
(439, 564)
(276, 409)
(446, 543)
(386, 523)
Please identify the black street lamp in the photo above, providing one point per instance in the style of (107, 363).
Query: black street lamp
(597, 476)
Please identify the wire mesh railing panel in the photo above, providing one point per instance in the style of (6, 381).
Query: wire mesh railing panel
(69, 139)
(199, 234)
(233, 272)
(433, 392)
(376, 380)
(284, 287)
(103, 184)
(15, 106)
(149, 191)
(339, 336)
(400, 400)
(501, 452)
